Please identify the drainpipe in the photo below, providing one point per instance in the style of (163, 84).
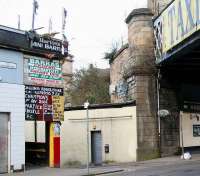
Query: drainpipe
(181, 130)
(158, 106)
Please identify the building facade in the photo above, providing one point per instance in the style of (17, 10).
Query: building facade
(133, 73)
(112, 134)
(12, 111)
(32, 91)
(163, 66)
(118, 84)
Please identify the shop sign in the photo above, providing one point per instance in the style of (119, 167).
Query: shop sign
(47, 45)
(40, 71)
(191, 106)
(44, 69)
(44, 103)
(178, 22)
(8, 65)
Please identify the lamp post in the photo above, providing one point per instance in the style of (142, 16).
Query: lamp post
(86, 106)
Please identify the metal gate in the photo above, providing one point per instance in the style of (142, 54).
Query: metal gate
(96, 147)
(3, 143)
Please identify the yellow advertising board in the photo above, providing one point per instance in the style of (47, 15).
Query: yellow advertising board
(58, 108)
(179, 21)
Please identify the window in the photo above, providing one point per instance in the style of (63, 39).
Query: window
(196, 130)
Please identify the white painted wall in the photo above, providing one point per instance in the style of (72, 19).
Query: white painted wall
(11, 75)
(118, 128)
(188, 120)
(13, 101)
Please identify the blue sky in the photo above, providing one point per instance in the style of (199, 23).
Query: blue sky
(92, 25)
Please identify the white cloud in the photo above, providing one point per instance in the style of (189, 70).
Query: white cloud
(91, 26)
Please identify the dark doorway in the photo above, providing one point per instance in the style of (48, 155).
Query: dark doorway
(37, 153)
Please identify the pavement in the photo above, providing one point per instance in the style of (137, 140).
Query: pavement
(169, 166)
(46, 171)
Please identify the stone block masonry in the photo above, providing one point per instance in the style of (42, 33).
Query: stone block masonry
(141, 44)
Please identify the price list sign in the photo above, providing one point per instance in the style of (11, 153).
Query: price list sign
(44, 103)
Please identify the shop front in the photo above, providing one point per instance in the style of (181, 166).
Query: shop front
(44, 111)
(32, 98)
(44, 103)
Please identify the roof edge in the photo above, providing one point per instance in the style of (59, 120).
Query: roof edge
(121, 50)
(102, 106)
(137, 12)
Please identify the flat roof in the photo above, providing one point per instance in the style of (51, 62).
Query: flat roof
(102, 106)
(19, 31)
(19, 40)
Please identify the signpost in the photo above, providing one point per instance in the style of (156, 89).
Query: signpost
(86, 106)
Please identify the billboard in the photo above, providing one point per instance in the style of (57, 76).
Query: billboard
(176, 23)
(42, 71)
(44, 103)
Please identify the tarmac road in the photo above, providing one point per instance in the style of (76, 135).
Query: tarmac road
(187, 168)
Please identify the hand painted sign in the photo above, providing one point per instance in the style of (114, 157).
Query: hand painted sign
(179, 21)
(43, 72)
(44, 69)
(44, 103)
(58, 107)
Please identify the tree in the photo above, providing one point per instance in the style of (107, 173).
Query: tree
(90, 84)
(110, 55)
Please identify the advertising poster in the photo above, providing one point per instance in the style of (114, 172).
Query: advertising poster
(44, 103)
(42, 72)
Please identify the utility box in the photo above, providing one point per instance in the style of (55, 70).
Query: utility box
(106, 148)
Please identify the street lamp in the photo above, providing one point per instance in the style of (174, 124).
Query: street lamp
(86, 106)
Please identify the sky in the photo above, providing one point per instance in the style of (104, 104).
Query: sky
(92, 26)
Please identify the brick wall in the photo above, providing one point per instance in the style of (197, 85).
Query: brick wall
(67, 70)
(116, 75)
(157, 5)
